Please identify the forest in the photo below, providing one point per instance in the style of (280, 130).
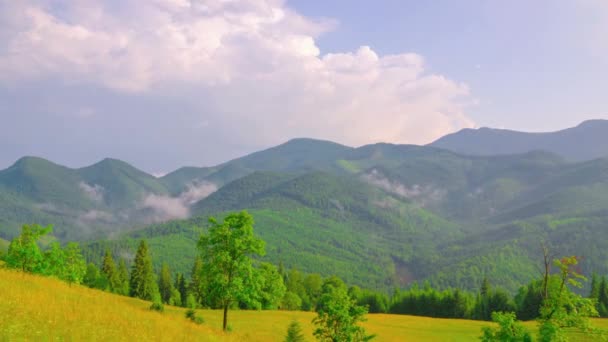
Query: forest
(225, 276)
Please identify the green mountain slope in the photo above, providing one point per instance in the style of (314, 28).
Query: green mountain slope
(380, 215)
(316, 222)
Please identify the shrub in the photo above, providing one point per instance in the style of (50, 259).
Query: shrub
(191, 315)
(157, 304)
(509, 329)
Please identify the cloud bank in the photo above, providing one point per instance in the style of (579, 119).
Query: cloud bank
(242, 73)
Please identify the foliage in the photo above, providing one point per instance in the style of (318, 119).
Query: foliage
(191, 315)
(23, 251)
(294, 332)
(165, 284)
(75, 267)
(157, 303)
(561, 308)
(143, 283)
(509, 330)
(338, 315)
(226, 252)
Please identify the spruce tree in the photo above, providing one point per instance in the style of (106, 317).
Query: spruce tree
(595, 286)
(294, 333)
(108, 267)
(180, 285)
(165, 285)
(123, 276)
(143, 282)
(195, 288)
(602, 299)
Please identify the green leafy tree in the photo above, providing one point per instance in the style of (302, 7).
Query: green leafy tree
(272, 288)
(226, 252)
(338, 315)
(291, 301)
(294, 332)
(165, 283)
(75, 266)
(509, 329)
(561, 308)
(23, 251)
(143, 282)
(53, 260)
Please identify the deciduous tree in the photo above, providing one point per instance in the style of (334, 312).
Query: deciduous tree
(226, 252)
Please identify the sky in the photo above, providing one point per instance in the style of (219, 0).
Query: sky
(167, 83)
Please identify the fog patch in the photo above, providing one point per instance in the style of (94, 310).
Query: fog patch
(197, 191)
(164, 208)
(93, 192)
(422, 195)
(97, 215)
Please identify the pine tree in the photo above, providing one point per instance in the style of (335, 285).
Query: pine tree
(123, 276)
(595, 286)
(602, 298)
(294, 332)
(108, 267)
(195, 288)
(143, 282)
(180, 285)
(165, 285)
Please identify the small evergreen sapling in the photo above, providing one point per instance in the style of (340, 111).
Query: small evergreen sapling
(294, 332)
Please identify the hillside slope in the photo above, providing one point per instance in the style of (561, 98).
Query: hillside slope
(36, 308)
(587, 141)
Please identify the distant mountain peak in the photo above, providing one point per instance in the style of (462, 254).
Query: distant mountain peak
(586, 141)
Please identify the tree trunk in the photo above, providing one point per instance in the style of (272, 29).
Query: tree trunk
(225, 317)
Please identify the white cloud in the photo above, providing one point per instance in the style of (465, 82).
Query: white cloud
(256, 60)
(423, 195)
(166, 207)
(94, 192)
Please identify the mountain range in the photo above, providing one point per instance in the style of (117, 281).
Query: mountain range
(473, 204)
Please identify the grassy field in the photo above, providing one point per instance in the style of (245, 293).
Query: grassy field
(37, 308)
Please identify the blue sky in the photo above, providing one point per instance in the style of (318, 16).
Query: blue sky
(169, 83)
(533, 65)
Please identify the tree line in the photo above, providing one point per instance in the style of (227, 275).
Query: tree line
(225, 276)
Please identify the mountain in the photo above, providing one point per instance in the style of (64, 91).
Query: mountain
(380, 215)
(587, 141)
(93, 201)
(384, 215)
(316, 221)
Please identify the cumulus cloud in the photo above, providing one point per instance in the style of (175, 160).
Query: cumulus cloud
(94, 192)
(248, 67)
(166, 207)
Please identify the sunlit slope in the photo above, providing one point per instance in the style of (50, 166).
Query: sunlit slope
(37, 308)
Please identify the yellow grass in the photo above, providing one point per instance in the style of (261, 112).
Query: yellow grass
(37, 308)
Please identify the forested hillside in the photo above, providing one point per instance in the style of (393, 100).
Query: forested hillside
(380, 215)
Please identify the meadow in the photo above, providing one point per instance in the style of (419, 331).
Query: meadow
(39, 308)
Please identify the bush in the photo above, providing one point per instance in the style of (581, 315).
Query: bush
(191, 315)
(509, 329)
(157, 304)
